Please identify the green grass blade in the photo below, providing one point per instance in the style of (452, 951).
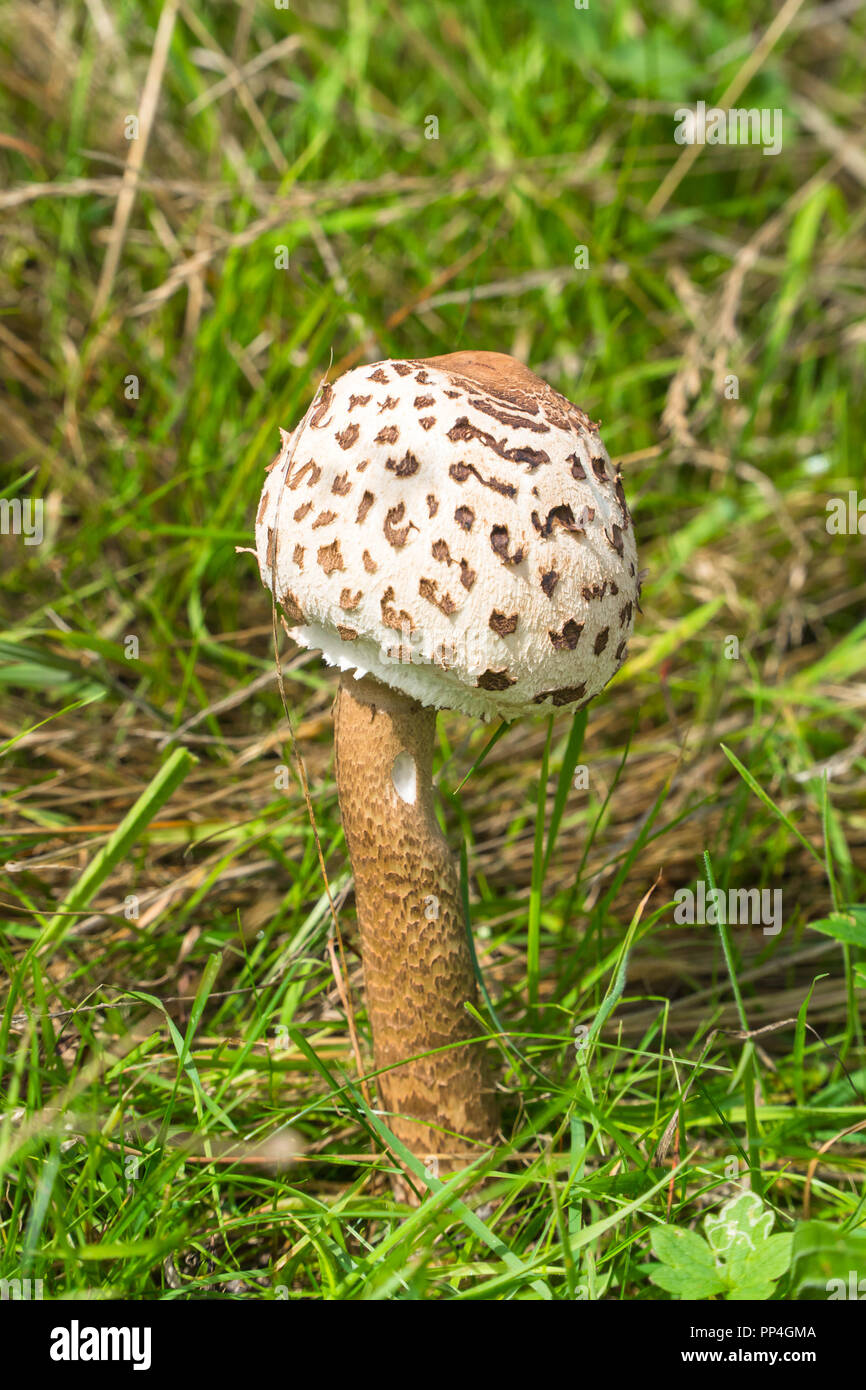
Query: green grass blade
(135, 822)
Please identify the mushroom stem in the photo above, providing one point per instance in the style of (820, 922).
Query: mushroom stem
(417, 962)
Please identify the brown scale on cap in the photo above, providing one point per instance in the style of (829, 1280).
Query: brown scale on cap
(317, 421)
(432, 504)
(439, 550)
(310, 470)
(505, 418)
(324, 519)
(407, 466)
(350, 601)
(566, 695)
(364, 506)
(461, 471)
(301, 511)
(499, 544)
(395, 534)
(444, 655)
(561, 516)
(600, 642)
(291, 607)
(389, 434)
(501, 624)
(427, 588)
(329, 557)
(464, 431)
(390, 616)
(346, 438)
(495, 680)
(427, 422)
(567, 639)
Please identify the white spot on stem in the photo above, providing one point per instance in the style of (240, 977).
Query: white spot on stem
(404, 777)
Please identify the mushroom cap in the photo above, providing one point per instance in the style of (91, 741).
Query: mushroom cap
(454, 527)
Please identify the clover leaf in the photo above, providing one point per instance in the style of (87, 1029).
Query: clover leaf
(739, 1259)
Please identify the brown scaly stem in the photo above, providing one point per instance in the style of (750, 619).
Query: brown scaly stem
(417, 962)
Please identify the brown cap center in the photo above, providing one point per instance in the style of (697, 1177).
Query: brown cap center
(491, 370)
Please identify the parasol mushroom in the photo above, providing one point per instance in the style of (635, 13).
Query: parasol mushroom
(450, 533)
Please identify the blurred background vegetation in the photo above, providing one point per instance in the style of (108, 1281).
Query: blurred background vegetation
(311, 187)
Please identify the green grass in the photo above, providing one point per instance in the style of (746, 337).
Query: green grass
(181, 1107)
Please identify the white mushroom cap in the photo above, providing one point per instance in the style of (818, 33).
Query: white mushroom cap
(454, 527)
